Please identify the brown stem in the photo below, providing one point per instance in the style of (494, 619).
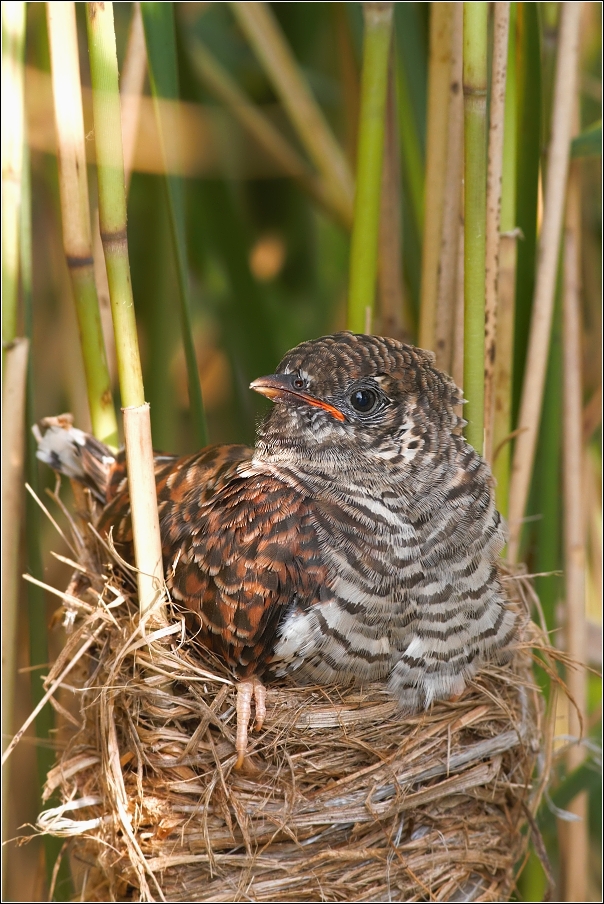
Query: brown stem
(494, 173)
(439, 75)
(577, 843)
(390, 273)
(543, 303)
(449, 240)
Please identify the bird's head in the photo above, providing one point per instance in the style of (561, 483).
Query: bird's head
(346, 394)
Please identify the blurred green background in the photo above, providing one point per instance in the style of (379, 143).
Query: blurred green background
(268, 268)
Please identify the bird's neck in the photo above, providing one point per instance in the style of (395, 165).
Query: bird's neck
(336, 472)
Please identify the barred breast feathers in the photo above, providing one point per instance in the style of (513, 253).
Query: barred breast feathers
(412, 593)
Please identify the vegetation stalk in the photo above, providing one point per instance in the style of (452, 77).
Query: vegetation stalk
(541, 320)
(493, 220)
(576, 849)
(13, 47)
(506, 287)
(365, 232)
(452, 194)
(75, 214)
(439, 77)
(475, 166)
(112, 213)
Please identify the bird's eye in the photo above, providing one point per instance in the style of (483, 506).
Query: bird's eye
(364, 400)
(298, 382)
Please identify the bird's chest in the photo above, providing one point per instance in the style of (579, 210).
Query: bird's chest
(367, 550)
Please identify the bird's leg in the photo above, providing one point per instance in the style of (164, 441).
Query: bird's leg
(251, 688)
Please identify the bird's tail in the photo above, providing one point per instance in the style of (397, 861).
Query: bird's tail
(75, 454)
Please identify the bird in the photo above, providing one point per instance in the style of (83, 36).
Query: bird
(356, 541)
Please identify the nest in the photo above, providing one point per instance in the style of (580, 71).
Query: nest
(343, 798)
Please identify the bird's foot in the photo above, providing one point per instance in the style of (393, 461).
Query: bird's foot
(248, 690)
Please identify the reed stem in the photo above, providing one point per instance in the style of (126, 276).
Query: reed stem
(13, 445)
(392, 320)
(452, 194)
(13, 47)
(112, 213)
(36, 602)
(541, 321)
(576, 849)
(14, 364)
(475, 166)
(132, 82)
(457, 352)
(493, 220)
(439, 78)
(365, 231)
(506, 286)
(75, 214)
(271, 48)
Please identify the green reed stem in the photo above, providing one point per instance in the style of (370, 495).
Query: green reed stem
(14, 359)
(475, 167)
(112, 197)
(75, 213)
(365, 231)
(112, 215)
(13, 46)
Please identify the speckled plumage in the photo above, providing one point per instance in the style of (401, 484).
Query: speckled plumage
(347, 545)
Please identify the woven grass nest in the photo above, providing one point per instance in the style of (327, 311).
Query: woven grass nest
(343, 799)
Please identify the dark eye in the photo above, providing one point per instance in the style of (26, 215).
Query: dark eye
(364, 400)
(298, 383)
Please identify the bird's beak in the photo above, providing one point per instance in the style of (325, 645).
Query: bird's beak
(278, 387)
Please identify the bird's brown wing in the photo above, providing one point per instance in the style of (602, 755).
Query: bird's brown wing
(239, 550)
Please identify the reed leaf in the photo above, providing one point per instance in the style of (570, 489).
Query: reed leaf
(528, 158)
(158, 20)
(588, 143)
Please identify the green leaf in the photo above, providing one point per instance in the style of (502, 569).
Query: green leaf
(160, 37)
(585, 777)
(589, 142)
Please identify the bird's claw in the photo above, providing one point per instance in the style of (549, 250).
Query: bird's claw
(248, 690)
